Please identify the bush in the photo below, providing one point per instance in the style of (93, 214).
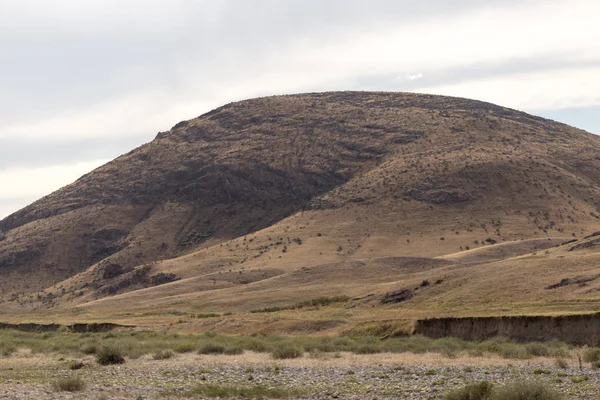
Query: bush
(6, 349)
(163, 355)
(244, 392)
(212, 348)
(74, 365)
(233, 350)
(69, 385)
(513, 350)
(537, 349)
(110, 355)
(186, 347)
(474, 391)
(367, 349)
(526, 391)
(561, 363)
(284, 351)
(592, 354)
(89, 348)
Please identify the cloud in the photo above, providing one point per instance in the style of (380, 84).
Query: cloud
(24, 183)
(547, 90)
(77, 74)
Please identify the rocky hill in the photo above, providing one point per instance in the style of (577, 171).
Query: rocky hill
(256, 190)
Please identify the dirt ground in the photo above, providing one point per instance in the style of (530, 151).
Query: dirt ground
(341, 376)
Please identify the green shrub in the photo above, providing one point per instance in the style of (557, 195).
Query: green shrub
(537, 349)
(244, 392)
(89, 348)
(74, 365)
(541, 371)
(580, 379)
(474, 391)
(287, 350)
(73, 384)
(367, 349)
(561, 363)
(526, 391)
(212, 348)
(513, 350)
(185, 347)
(233, 350)
(592, 354)
(110, 355)
(6, 349)
(163, 355)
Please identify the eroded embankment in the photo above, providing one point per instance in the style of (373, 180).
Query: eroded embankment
(79, 328)
(580, 329)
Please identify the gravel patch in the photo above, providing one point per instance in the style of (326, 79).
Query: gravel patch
(349, 376)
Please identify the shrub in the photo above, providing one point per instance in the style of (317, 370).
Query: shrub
(233, 350)
(561, 363)
(580, 379)
(592, 354)
(73, 384)
(537, 349)
(186, 347)
(244, 392)
(163, 355)
(286, 350)
(367, 349)
(526, 391)
(89, 348)
(6, 349)
(74, 365)
(110, 355)
(474, 391)
(512, 350)
(212, 348)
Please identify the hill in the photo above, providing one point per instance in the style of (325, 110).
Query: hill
(447, 206)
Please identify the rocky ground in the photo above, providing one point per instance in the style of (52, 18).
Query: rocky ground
(341, 376)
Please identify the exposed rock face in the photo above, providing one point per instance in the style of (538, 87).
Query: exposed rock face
(247, 165)
(581, 329)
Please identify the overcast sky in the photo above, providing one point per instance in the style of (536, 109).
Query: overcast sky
(82, 82)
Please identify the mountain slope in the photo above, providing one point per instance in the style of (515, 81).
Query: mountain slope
(319, 180)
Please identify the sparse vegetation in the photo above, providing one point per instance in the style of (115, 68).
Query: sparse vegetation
(485, 390)
(75, 365)
(473, 391)
(244, 392)
(316, 302)
(287, 350)
(108, 355)
(163, 354)
(71, 384)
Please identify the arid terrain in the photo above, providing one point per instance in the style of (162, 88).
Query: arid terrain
(354, 216)
(165, 366)
(399, 206)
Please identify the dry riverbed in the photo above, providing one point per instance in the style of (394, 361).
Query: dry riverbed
(343, 376)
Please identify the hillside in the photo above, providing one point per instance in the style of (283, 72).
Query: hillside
(273, 201)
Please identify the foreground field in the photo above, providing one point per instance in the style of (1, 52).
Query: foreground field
(160, 366)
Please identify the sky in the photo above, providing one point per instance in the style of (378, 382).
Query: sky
(83, 82)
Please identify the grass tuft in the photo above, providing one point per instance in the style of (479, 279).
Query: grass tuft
(474, 391)
(526, 391)
(244, 392)
(72, 384)
(110, 355)
(287, 350)
(163, 354)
